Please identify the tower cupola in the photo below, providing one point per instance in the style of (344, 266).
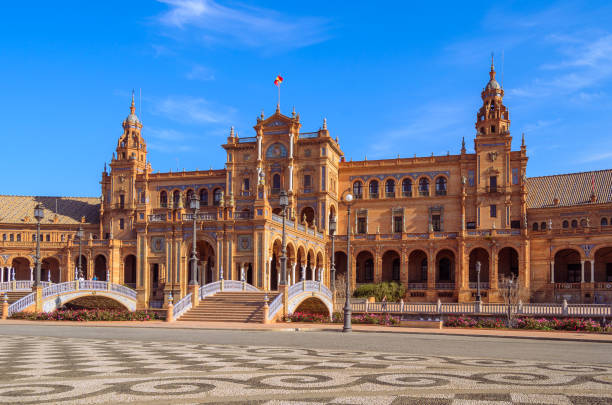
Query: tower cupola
(493, 117)
(131, 146)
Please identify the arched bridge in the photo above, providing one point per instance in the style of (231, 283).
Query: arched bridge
(297, 294)
(56, 295)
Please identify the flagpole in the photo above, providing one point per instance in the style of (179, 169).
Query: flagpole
(279, 96)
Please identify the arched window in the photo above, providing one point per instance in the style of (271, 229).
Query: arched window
(217, 196)
(604, 222)
(565, 224)
(358, 189)
(189, 196)
(390, 188)
(374, 189)
(583, 223)
(424, 187)
(407, 188)
(574, 223)
(535, 226)
(203, 197)
(543, 226)
(176, 198)
(441, 186)
(276, 183)
(163, 199)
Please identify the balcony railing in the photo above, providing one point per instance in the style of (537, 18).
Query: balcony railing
(373, 195)
(247, 140)
(417, 286)
(407, 193)
(483, 285)
(157, 217)
(424, 193)
(440, 192)
(445, 286)
(243, 215)
(390, 194)
(493, 189)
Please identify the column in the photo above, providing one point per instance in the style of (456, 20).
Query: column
(431, 271)
(591, 262)
(32, 274)
(303, 275)
(493, 274)
(581, 271)
(1, 274)
(552, 272)
(313, 271)
(293, 272)
(291, 177)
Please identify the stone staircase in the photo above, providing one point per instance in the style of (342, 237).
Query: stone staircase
(239, 306)
(14, 295)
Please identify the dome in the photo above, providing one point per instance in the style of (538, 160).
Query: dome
(493, 85)
(132, 119)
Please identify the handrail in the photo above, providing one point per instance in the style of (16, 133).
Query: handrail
(232, 285)
(209, 289)
(183, 305)
(21, 304)
(275, 306)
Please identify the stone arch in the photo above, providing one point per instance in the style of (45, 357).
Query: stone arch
(580, 252)
(508, 262)
(163, 198)
(312, 305)
(205, 252)
(309, 213)
(479, 254)
(89, 301)
(445, 266)
(603, 264)
(390, 185)
(22, 266)
(567, 265)
(50, 269)
(340, 261)
(417, 266)
(100, 267)
(391, 266)
(176, 197)
(357, 189)
(129, 270)
(373, 188)
(364, 267)
(310, 264)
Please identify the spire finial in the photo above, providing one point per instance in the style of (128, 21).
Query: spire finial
(492, 72)
(278, 108)
(132, 107)
(262, 114)
(232, 132)
(293, 112)
(325, 124)
(523, 139)
(463, 144)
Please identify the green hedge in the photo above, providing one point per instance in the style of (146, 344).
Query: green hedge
(393, 291)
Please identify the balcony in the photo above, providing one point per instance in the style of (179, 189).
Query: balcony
(493, 189)
(445, 286)
(202, 216)
(373, 196)
(440, 192)
(567, 286)
(243, 215)
(157, 217)
(483, 285)
(390, 194)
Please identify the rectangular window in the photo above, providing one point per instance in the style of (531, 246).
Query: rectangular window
(493, 211)
(143, 197)
(246, 184)
(48, 237)
(471, 225)
(3, 236)
(361, 225)
(515, 224)
(323, 151)
(19, 237)
(436, 222)
(493, 184)
(12, 238)
(121, 224)
(322, 178)
(398, 222)
(515, 176)
(471, 178)
(121, 201)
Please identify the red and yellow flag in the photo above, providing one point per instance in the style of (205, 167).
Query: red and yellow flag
(278, 80)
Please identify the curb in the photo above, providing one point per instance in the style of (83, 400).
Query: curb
(312, 329)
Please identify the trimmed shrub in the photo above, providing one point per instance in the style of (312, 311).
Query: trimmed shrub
(306, 317)
(370, 319)
(393, 291)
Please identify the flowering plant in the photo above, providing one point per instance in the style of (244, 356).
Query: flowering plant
(87, 315)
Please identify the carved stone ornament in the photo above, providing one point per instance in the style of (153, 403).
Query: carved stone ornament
(492, 156)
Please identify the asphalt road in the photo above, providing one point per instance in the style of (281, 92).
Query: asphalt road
(415, 344)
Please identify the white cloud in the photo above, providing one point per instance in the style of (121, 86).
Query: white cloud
(197, 110)
(199, 72)
(595, 157)
(249, 26)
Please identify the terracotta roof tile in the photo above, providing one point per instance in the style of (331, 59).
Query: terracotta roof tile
(15, 209)
(570, 189)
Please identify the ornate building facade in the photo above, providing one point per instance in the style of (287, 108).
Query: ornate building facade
(424, 221)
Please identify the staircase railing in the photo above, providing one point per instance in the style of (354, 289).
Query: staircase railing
(183, 305)
(228, 285)
(210, 289)
(21, 304)
(275, 306)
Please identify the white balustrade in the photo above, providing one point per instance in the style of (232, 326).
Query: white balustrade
(275, 306)
(232, 285)
(21, 304)
(183, 305)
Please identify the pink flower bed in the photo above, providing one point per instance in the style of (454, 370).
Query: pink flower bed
(570, 324)
(87, 315)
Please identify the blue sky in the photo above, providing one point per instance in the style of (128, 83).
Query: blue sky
(396, 78)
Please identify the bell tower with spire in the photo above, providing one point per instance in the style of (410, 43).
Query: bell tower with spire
(125, 186)
(492, 145)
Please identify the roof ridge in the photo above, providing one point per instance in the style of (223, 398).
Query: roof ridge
(567, 174)
(46, 196)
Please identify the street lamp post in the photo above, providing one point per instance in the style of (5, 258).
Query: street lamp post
(39, 215)
(284, 202)
(478, 281)
(348, 199)
(332, 231)
(80, 236)
(194, 204)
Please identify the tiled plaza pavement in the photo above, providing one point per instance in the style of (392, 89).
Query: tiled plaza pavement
(70, 371)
